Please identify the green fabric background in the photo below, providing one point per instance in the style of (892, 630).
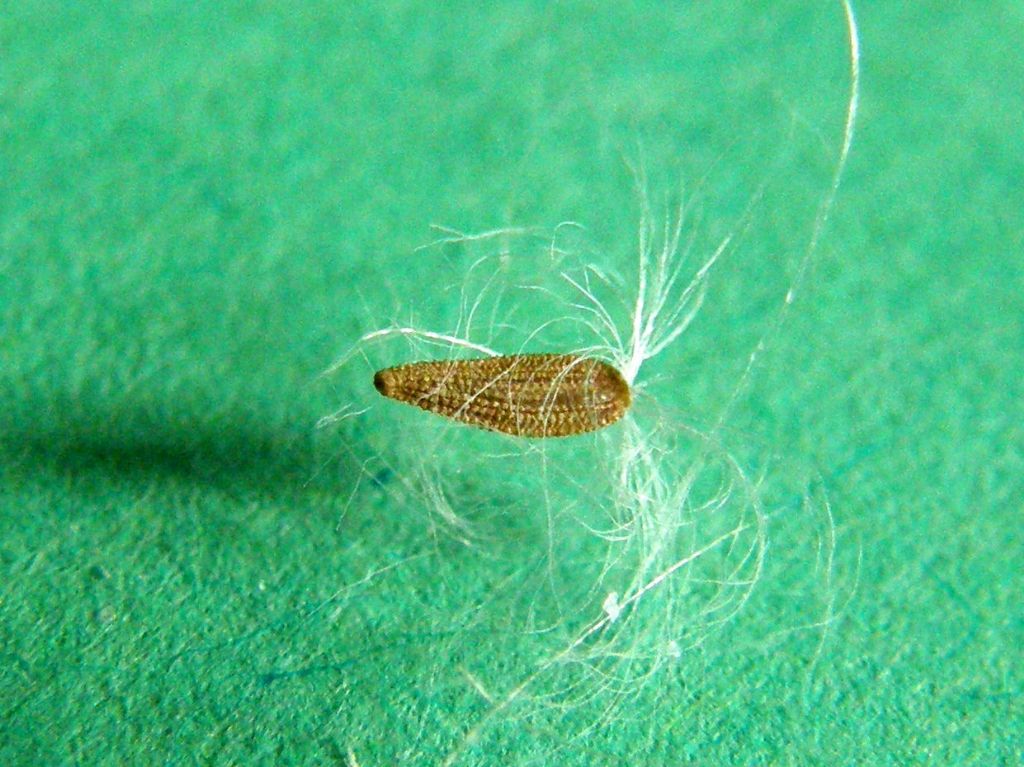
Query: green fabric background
(203, 204)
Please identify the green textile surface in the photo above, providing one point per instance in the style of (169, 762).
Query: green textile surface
(204, 204)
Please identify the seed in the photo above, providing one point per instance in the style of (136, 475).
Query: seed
(525, 395)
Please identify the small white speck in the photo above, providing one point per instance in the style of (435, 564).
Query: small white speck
(611, 606)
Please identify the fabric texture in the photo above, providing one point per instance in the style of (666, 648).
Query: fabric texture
(204, 205)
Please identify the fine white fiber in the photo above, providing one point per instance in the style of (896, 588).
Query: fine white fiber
(645, 538)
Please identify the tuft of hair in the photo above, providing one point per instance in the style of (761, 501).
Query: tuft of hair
(664, 531)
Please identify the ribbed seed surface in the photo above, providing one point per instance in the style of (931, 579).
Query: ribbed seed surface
(525, 395)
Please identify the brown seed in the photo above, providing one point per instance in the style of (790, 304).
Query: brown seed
(526, 395)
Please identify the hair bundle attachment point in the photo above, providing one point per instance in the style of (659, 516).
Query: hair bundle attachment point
(525, 395)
